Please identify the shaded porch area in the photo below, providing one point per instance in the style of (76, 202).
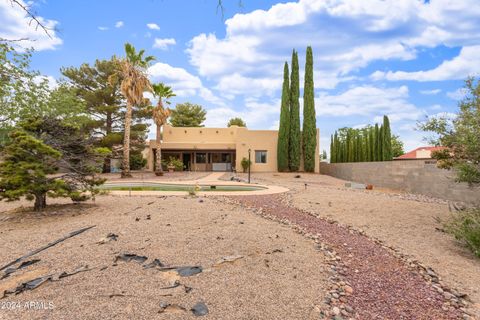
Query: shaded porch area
(201, 160)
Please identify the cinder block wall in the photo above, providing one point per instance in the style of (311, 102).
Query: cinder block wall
(415, 176)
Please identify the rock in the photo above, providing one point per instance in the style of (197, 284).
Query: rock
(348, 290)
(336, 310)
(448, 295)
(348, 309)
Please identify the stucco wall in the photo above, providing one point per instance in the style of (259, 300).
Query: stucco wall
(415, 176)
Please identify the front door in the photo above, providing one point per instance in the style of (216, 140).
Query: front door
(187, 161)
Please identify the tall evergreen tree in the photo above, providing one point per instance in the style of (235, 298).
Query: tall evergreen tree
(284, 129)
(371, 138)
(295, 138)
(387, 140)
(332, 150)
(309, 131)
(377, 143)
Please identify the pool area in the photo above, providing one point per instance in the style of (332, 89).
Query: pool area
(151, 186)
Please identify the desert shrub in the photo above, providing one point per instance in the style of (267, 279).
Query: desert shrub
(465, 227)
(245, 164)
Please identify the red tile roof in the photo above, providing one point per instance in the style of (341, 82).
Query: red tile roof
(413, 154)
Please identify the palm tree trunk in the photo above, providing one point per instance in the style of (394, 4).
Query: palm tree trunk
(126, 143)
(158, 153)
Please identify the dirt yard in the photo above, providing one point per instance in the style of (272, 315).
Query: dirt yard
(405, 222)
(252, 268)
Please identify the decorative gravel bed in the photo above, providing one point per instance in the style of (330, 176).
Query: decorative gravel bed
(384, 287)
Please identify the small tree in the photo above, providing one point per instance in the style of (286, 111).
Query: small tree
(245, 164)
(46, 157)
(397, 146)
(25, 169)
(461, 136)
(188, 115)
(236, 122)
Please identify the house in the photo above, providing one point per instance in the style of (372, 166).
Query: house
(220, 149)
(419, 153)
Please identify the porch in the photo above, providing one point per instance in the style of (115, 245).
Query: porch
(201, 160)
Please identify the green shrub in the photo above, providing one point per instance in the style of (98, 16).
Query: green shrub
(174, 162)
(465, 226)
(137, 161)
(245, 164)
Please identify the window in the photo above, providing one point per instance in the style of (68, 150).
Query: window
(260, 156)
(201, 158)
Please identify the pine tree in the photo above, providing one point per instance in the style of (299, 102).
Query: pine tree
(309, 132)
(295, 138)
(387, 140)
(284, 130)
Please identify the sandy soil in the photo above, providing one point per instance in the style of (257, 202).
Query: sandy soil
(396, 219)
(279, 275)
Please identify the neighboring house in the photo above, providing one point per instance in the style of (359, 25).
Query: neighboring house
(419, 153)
(220, 149)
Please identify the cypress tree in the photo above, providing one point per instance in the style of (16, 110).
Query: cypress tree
(332, 150)
(309, 130)
(371, 137)
(376, 137)
(380, 143)
(387, 140)
(284, 129)
(295, 138)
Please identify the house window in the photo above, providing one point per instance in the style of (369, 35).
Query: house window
(201, 158)
(260, 156)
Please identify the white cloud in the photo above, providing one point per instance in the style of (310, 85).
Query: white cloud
(101, 28)
(430, 92)
(238, 84)
(369, 101)
(16, 25)
(119, 24)
(51, 81)
(153, 26)
(346, 35)
(467, 63)
(163, 44)
(182, 82)
(458, 94)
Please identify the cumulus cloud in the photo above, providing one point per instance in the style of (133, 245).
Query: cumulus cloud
(17, 25)
(430, 92)
(153, 26)
(458, 94)
(102, 28)
(184, 84)
(467, 63)
(369, 101)
(346, 36)
(119, 24)
(163, 44)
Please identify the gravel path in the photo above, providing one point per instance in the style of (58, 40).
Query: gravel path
(383, 286)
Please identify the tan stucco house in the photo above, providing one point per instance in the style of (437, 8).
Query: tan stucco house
(220, 149)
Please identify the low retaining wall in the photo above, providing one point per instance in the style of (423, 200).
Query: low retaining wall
(415, 176)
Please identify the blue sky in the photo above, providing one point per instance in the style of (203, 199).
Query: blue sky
(406, 59)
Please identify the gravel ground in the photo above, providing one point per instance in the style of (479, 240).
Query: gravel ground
(406, 222)
(270, 272)
(383, 287)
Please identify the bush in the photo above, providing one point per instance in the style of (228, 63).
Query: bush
(245, 164)
(137, 161)
(465, 227)
(174, 162)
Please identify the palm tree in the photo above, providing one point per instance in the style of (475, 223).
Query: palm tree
(160, 115)
(133, 72)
